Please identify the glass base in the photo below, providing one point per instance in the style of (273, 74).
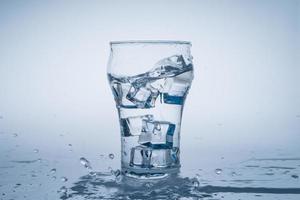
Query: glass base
(150, 173)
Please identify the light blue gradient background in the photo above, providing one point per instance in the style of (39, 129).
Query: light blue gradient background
(245, 95)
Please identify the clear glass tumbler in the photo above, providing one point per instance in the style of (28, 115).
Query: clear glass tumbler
(150, 81)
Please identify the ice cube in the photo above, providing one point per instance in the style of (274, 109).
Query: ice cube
(132, 126)
(145, 157)
(120, 90)
(177, 88)
(142, 97)
(157, 134)
(161, 158)
(168, 67)
(141, 156)
(175, 155)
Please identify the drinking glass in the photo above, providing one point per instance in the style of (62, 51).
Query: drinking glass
(150, 81)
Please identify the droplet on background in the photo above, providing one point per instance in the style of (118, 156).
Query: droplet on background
(35, 150)
(63, 179)
(85, 163)
(218, 171)
(53, 171)
(111, 156)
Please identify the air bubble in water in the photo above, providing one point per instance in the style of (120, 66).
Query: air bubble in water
(85, 163)
(35, 150)
(218, 171)
(15, 134)
(63, 179)
(111, 156)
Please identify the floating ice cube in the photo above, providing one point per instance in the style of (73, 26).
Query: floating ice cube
(157, 134)
(168, 67)
(161, 158)
(133, 125)
(177, 88)
(142, 156)
(120, 90)
(143, 97)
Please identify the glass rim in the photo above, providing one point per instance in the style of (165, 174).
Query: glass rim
(150, 42)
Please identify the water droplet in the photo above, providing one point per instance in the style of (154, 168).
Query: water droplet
(53, 171)
(195, 182)
(35, 150)
(63, 190)
(198, 176)
(116, 173)
(93, 173)
(85, 163)
(233, 173)
(69, 145)
(53, 177)
(111, 156)
(15, 134)
(218, 171)
(63, 179)
(294, 176)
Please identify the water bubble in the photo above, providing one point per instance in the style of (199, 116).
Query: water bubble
(233, 173)
(35, 150)
(218, 171)
(111, 156)
(69, 145)
(15, 134)
(53, 171)
(63, 179)
(85, 163)
(53, 177)
(294, 176)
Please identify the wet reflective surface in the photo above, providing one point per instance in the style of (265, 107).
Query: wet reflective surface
(34, 173)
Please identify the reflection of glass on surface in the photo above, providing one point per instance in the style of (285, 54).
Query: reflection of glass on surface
(150, 81)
